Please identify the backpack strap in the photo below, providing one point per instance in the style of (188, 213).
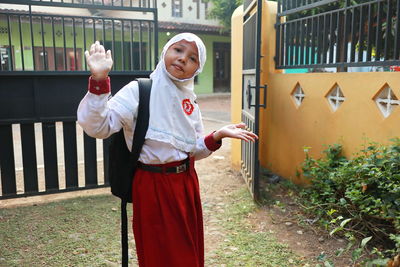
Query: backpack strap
(142, 124)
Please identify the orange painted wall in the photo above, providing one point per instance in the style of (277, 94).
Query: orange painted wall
(286, 129)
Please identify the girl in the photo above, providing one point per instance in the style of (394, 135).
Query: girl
(167, 220)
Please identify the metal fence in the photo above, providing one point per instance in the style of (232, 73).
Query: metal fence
(337, 33)
(43, 77)
(53, 35)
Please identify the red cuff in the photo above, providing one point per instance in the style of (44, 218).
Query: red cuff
(211, 144)
(99, 87)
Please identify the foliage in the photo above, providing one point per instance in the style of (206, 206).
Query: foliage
(358, 198)
(222, 10)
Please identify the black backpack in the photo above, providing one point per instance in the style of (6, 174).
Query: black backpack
(122, 162)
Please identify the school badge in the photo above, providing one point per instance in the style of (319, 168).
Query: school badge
(187, 106)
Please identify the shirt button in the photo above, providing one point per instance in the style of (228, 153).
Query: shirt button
(97, 88)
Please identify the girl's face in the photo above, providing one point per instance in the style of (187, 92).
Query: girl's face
(182, 59)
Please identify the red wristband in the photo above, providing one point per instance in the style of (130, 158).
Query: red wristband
(210, 143)
(99, 87)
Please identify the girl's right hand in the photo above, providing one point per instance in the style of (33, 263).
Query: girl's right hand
(99, 62)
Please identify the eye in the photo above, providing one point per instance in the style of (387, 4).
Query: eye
(193, 59)
(178, 49)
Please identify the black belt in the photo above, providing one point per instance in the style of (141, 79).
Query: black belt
(175, 169)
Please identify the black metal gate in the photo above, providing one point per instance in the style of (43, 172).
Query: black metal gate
(251, 91)
(43, 76)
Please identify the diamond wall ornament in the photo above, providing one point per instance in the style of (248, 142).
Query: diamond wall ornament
(386, 101)
(163, 4)
(298, 95)
(335, 97)
(190, 8)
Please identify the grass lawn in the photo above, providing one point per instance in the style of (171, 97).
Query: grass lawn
(86, 232)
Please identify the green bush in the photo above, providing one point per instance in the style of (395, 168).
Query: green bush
(358, 198)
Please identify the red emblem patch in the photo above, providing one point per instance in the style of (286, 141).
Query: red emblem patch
(187, 106)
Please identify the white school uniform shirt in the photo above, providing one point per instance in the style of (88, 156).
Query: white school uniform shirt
(100, 117)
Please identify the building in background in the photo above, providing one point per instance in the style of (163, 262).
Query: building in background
(53, 39)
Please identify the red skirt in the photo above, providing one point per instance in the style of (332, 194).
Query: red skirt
(167, 218)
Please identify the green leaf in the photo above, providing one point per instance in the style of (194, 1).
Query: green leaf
(337, 229)
(344, 222)
(365, 241)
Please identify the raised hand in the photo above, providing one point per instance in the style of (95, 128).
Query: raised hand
(236, 131)
(99, 61)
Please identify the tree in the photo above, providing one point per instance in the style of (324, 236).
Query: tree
(222, 10)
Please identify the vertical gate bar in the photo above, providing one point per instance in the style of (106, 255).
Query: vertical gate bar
(70, 154)
(338, 37)
(149, 44)
(308, 42)
(65, 45)
(378, 37)
(292, 46)
(369, 36)
(131, 44)
(8, 178)
(32, 40)
(319, 18)
(388, 29)
(90, 160)
(74, 33)
(94, 31)
(302, 37)
(332, 38)
(287, 44)
(43, 44)
(9, 43)
(106, 149)
(346, 30)
(397, 32)
(324, 40)
(54, 43)
(278, 41)
(122, 44)
(361, 32)
(256, 189)
(50, 155)
(297, 39)
(353, 36)
(84, 39)
(104, 33)
(140, 45)
(313, 30)
(29, 158)
(113, 43)
(21, 42)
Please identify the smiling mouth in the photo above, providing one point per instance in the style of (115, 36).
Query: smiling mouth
(177, 67)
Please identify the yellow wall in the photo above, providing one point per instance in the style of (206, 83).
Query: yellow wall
(236, 78)
(286, 129)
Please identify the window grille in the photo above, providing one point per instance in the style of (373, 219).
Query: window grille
(386, 101)
(335, 97)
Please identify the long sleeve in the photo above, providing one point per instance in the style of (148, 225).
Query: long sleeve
(101, 116)
(205, 145)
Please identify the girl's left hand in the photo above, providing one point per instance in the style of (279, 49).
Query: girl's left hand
(236, 131)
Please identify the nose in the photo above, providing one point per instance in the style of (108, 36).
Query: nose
(182, 59)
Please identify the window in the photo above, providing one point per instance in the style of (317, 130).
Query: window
(176, 8)
(5, 58)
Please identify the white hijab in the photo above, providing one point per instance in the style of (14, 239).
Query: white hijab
(173, 119)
